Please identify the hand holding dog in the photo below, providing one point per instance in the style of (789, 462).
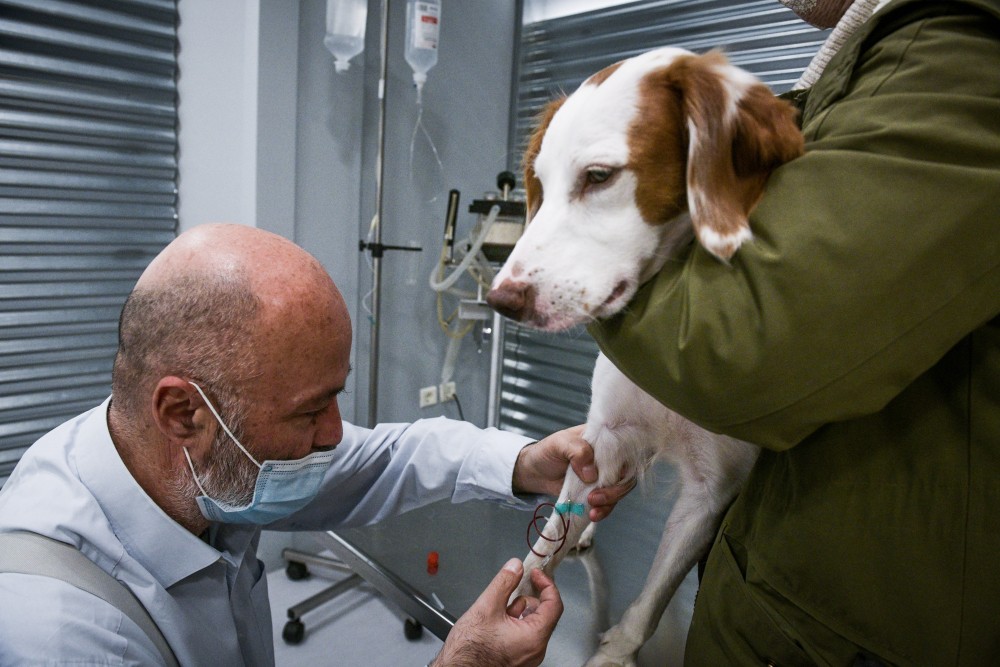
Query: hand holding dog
(492, 634)
(541, 467)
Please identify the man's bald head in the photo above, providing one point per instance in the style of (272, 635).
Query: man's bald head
(270, 261)
(210, 305)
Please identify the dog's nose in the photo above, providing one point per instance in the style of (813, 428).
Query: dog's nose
(512, 299)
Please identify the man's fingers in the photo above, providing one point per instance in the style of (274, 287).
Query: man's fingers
(516, 608)
(499, 590)
(523, 606)
(550, 606)
(603, 500)
(540, 580)
(581, 458)
(609, 495)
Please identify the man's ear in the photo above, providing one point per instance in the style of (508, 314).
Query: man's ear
(180, 413)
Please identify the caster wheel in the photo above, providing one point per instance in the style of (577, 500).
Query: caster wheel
(412, 630)
(296, 571)
(293, 632)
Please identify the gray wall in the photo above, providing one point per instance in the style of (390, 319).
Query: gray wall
(466, 107)
(272, 137)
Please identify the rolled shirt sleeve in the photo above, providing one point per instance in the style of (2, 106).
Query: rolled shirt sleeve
(393, 468)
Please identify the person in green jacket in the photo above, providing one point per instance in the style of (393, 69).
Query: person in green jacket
(856, 339)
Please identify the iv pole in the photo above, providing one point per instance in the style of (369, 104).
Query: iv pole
(376, 245)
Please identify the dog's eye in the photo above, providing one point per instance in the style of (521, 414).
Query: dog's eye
(598, 175)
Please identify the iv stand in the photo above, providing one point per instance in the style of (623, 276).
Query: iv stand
(377, 240)
(376, 247)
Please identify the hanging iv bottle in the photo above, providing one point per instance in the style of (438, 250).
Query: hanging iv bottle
(345, 30)
(423, 26)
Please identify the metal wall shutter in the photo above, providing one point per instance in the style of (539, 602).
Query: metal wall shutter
(88, 170)
(544, 378)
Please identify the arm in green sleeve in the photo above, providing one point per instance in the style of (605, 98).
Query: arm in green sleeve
(873, 254)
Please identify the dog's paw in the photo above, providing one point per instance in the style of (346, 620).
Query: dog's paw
(599, 659)
(523, 588)
(608, 661)
(586, 538)
(616, 650)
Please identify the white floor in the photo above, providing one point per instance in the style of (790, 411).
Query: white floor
(360, 628)
(357, 628)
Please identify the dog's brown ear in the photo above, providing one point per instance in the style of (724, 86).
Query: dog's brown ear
(767, 133)
(532, 186)
(738, 133)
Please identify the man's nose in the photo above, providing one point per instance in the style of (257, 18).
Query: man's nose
(331, 427)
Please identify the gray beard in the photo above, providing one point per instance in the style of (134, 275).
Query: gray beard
(227, 475)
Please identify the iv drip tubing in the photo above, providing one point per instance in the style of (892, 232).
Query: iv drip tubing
(418, 126)
(470, 256)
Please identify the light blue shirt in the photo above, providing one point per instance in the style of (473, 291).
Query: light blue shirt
(209, 599)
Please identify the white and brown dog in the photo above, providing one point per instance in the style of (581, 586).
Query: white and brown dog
(644, 156)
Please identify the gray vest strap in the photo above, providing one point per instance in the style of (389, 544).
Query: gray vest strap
(30, 553)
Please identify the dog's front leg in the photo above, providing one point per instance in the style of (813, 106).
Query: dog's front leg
(688, 530)
(561, 531)
(710, 480)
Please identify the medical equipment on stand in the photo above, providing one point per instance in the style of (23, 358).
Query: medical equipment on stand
(423, 27)
(499, 224)
(509, 223)
(345, 30)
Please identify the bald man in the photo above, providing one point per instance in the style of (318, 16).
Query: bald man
(234, 346)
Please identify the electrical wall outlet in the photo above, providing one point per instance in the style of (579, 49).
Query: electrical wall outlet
(446, 391)
(428, 396)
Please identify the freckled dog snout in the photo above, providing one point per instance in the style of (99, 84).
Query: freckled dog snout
(512, 299)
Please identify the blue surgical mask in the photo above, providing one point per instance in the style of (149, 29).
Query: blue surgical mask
(283, 487)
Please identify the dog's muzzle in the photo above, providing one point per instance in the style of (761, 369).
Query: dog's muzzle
(512, 299)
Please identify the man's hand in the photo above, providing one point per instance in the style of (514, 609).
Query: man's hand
(541, 467)
(491, 634)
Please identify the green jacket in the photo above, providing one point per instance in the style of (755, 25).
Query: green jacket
(857, 340)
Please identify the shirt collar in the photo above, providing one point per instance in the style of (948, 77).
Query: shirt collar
(161, 545)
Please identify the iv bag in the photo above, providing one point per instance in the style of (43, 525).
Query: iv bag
(345, 30)
(423, 26)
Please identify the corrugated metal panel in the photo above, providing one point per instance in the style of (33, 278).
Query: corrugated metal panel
(545, 379)
(761, 36)
(88, 194)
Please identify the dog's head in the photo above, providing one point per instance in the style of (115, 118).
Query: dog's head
(619, 173)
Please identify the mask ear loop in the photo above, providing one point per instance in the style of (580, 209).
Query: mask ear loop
(193, 474)
(223, 425)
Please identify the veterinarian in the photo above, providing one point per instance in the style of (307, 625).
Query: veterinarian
(234, 347)
(857, 340)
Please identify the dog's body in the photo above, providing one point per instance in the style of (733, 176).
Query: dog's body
(619, 176)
